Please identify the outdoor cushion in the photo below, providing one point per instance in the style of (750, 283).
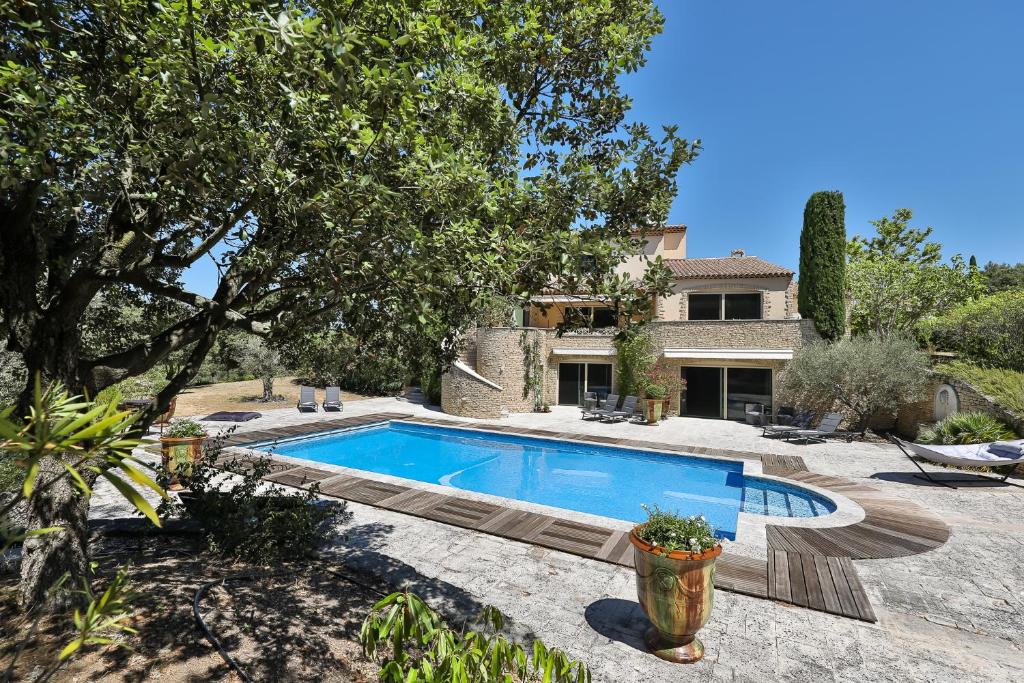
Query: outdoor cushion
(228, 416)
(1012, 449)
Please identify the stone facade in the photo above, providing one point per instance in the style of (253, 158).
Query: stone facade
(498, 357)
(912, 417)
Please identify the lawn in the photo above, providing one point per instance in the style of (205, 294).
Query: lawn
(203, 400)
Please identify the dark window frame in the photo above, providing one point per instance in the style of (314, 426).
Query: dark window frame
(721, 297)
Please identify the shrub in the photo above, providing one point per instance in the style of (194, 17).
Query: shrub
(671, 532)
(184, 429)
(961, 428)
(988, 331)
(865, 375)
(336, 358)
(634, 357)
(822, 294)
(247, 518)
(1005, 386)
(411, 642)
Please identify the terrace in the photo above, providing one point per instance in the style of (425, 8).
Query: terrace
(931, 608)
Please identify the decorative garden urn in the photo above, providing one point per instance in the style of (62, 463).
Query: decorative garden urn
(179, 455)
(676, 591)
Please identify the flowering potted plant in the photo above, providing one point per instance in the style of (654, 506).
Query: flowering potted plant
(181, 445)
(674, 559)
(654, 395)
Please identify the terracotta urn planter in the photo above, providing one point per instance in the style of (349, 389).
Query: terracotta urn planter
(178, 455)
(654, 410)
(676, 591)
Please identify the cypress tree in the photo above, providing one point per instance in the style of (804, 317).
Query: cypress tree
(821, 295)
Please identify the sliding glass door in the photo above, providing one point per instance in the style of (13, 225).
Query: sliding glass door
(576, 379)
(724, 391)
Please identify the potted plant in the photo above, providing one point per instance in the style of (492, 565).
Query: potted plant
(654, 394)
(181, 445)
(674, 559)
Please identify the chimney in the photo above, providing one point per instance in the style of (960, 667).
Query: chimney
(737, 252)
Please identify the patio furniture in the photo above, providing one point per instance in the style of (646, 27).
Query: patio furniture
(754, 414)
(999, 454)
(232, 416)
(307, 400)
(801, 419)
(163, 420)
(590, 400)
(332, 401)
(610, 402)
(828, 427)
(627, 412)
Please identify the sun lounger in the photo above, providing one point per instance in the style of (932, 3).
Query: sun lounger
(307, 399)
(332, 401)
(627, 411)
(828, 427)
(966, 455)
(801, 420)
(610, 403)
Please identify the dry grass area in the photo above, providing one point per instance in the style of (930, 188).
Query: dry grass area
(296, 623)
(200, 401)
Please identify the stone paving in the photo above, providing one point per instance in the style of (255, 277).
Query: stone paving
(952, 614)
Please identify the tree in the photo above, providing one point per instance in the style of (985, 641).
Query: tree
(254, 356)
(867, 375)
(897, 278)
(389, 164)
(823, 264)
(1000, 277)
(988, 331)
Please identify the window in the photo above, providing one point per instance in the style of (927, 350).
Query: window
(746, 306)
(742, 306)
(605, 317)
(705, 306)
(590, 316)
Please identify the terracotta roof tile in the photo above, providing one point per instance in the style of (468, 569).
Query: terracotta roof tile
(725, 267)
(660, 230)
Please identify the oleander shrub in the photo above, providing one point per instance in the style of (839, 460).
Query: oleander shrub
(966, 427)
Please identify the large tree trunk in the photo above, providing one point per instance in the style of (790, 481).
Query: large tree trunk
(46, 559)
(268, 389)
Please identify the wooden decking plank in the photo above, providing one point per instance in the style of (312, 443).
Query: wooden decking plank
(847, 607)
(829, 595)
(797, 587)
(860, 598)
(780, 576)
(742, 575)
(614, 545)
(815, 599)
(299, 477)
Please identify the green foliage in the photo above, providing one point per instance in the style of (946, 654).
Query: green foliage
(256, 357)
(184, 428)
(104, 615)
(896, 278)
(866, 375)
(376, 365)
(988, 331)
(672, 532)
(661, 380)
(413, 644)
(145, 385)
(533, 368)
(430, 384)
(1000, 277)
(88, 439)
(250, 519)
(1006, 387)
(634, 357)
(823, 264)
(963, 428)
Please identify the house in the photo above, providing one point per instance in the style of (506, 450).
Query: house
(729, 325)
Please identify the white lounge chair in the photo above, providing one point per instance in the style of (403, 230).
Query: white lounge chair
(332, 399)
(966, 455)
(307, 400)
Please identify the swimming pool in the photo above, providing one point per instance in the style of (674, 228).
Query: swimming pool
(599, 480)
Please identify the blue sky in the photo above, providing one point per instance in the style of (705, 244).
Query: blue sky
(897, 103)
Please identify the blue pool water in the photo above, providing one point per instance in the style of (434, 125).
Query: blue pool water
(606, 481)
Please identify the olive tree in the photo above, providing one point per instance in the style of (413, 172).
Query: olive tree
(865, 375)
(391, 164)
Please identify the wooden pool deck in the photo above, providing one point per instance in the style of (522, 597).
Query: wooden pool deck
(807, 567)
